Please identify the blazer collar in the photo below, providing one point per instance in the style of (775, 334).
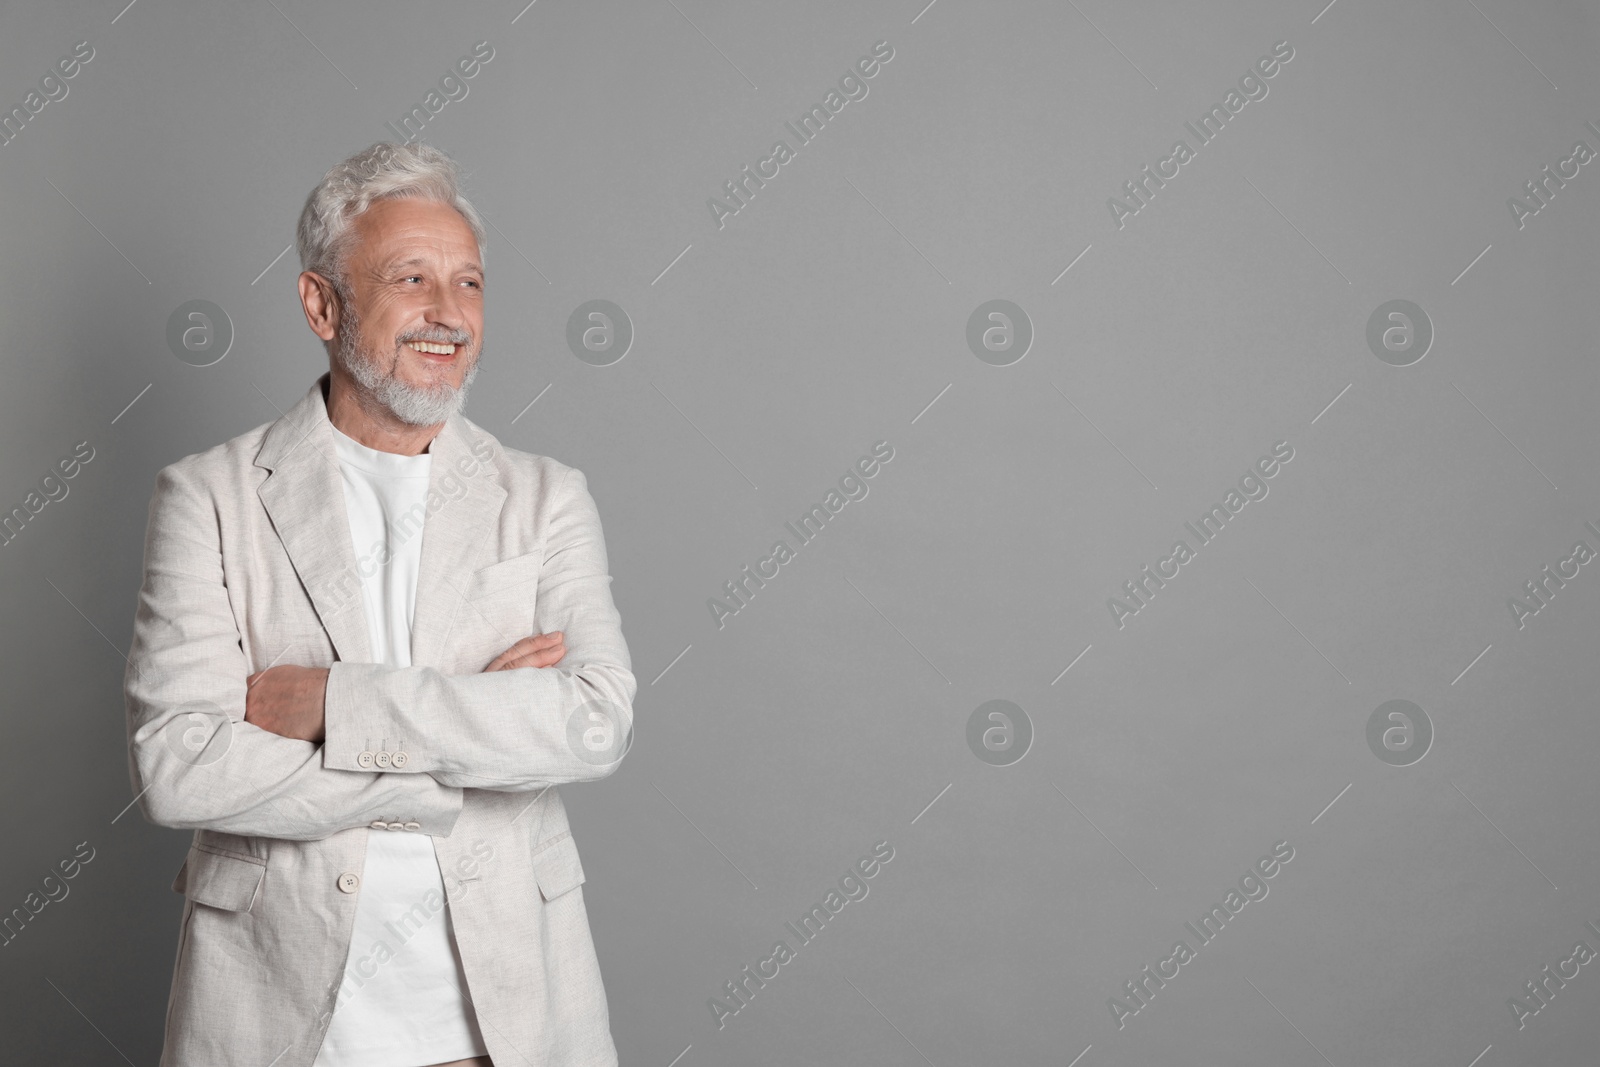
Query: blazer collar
(304, 496)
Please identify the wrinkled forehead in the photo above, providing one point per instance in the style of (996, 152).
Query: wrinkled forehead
(412, 232)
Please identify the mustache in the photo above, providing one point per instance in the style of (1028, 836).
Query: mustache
(460, 337)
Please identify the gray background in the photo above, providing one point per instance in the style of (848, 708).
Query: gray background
(828, 314)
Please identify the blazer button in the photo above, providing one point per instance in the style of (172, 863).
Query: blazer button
(364, 760)
(349, 883)
(399, 759)
(381, 759)
(413, 826)
(378, 824)
(397, 826)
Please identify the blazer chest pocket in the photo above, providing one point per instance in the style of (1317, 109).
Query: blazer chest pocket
(502, 596)
(556, 867)
(220, 879)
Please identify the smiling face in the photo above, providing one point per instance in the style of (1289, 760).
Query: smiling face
(410, 330)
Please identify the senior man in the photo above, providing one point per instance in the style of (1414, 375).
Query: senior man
(370, 641)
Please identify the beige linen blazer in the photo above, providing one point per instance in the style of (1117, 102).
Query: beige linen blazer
(249, 563)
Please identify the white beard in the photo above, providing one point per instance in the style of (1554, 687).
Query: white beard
(413, 405)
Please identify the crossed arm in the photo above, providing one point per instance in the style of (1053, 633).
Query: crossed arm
(261, 770)
(290, 700)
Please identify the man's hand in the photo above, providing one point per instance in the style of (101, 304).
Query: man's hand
(540, 650)
(288, 700)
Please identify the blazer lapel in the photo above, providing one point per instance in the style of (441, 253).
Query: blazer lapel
(454, 535)
(304, 495)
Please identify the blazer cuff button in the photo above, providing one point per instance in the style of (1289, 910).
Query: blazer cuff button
(381, 759)
(364, 760)
(399, 759)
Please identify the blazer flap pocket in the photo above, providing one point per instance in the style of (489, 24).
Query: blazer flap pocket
(519, 573)
(221, 879)
(556, 866)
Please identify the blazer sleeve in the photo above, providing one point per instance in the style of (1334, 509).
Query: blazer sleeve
(510, 730)
(194, 761)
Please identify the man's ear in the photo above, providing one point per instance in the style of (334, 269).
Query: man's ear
(321, 304)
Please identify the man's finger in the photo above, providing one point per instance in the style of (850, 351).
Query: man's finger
(536, 641)
(543, 657)
(514, 650)
(520, 654)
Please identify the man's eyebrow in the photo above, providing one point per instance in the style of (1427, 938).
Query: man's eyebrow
(417, 261)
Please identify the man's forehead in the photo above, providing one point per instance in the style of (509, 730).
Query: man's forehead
(401, 259)
(407, 229)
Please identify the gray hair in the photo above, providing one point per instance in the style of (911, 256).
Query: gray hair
(382, 171)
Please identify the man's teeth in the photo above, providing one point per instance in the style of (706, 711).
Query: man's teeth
(432, 346)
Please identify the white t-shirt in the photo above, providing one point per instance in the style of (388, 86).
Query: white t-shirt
(401, 1002)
